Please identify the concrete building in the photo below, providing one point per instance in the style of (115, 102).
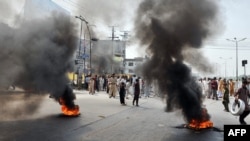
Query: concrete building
(102, 56)
(132, 64)
(107, 56)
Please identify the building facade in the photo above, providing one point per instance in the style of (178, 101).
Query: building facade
(131, 65)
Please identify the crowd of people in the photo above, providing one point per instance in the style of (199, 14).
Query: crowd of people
(213, 88)
(125, 86)
(134, 86)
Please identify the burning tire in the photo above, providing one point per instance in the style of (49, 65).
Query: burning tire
(237, 107)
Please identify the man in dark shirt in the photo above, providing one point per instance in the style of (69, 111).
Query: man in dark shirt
(136, 92)
(243, 94)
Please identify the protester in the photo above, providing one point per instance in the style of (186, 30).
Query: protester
(225, 100)
(136, 92)
(113, 86)
(231, 87)
(122, 92)
(243, 94)
(214, 86)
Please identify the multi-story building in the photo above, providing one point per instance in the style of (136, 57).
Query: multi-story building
(132, 64)
(102, 56)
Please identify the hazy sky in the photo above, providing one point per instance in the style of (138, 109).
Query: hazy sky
(234, 15)
(218, 50)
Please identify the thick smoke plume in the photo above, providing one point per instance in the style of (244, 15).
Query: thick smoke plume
(37, 55)
(167, 28)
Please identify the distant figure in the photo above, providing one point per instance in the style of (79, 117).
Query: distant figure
(136, 92)
(92, 85)
(122, 92)
(225, 100)
(79, 83)
(127, 89)
(231, 87)
(112, 88)
(220, 87)
(214, 87)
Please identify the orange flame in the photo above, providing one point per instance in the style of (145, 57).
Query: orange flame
(201, 124)
(69, 111)
(194, 124)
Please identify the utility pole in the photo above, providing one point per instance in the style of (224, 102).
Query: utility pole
(79, 55)
(113, 33)
(225, 59)
(90, 57)
(113, 37)
(236, 42)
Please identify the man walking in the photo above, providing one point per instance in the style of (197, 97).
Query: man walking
(243, 94)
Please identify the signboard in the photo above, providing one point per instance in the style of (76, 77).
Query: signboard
(85, 56)
(78, 62)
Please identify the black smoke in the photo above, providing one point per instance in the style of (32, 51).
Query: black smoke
(36, 55)
(168, 28)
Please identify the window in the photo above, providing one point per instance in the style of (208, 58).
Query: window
(130, 64)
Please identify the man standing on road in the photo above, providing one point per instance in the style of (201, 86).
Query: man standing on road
(122, 92)
(231, 87)
(225, 100)
(136, 92)
(243, 94)
(113, 86)
(214, 87)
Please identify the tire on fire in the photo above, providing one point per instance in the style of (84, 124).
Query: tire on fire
(237, 111)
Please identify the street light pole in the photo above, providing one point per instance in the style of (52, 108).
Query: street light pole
(225, 59)
(82, 20)
(90, 50)
(236, 42)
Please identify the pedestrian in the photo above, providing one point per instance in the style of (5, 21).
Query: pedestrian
(96, 83)
(220, 87)
(108, 84)
(214, 86)
(136, 92)
(209, 88)
(113, 86)
(92, 86)
(127, 88)
(225, 100)
(231, 87)
(122, 92)
(243, 94)
(79, 83)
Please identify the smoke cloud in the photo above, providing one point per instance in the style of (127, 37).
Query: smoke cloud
(109, 12)
(37, 55)
(168, 28)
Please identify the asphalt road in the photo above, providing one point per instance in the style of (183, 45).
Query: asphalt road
(39, 118)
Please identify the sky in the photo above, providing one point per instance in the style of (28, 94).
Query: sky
(234, 23)
(222, 52)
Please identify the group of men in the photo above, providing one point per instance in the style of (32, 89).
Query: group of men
(122, 85)
(222, 88)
